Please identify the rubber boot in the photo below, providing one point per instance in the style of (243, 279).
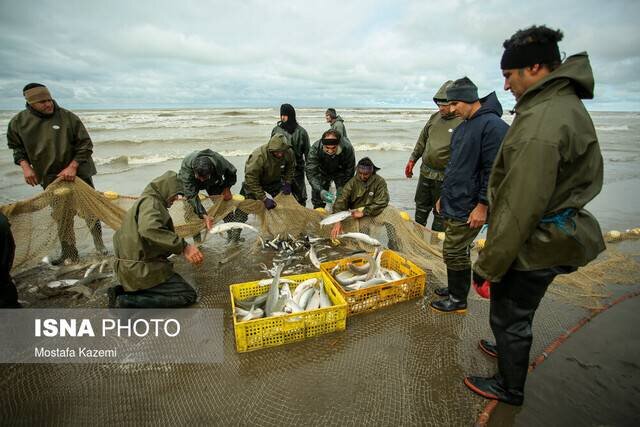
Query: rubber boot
(493, 388)
(442, 292)
(459, 282)
(113, 293)
(489, 348)
(68, 252)
(96, 233)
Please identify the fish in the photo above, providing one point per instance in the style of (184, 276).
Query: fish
(314, 258)
(325, 301)
(302, 287)
(359, 269)
(336, 217)
(361, 237)
(314, 301)
(103, 265)
(267, 282)
(306, 297)
(65, 283)
(274, 293)
(226, 226)
(91, 268)
(347, 278)
(257, 301)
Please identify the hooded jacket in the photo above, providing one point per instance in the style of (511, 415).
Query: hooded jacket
(474, 145)
(322, 167)
(373, 195)
(434, 142)
(299, 142)
(338, 124)
(147, 237)
(264, 172)
(549, 165)
(223, 176)
(50, 143)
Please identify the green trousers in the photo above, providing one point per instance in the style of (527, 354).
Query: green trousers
(456, 249)
(175, 292)
(427, 194)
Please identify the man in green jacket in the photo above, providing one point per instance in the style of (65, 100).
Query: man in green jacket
(207, 170)
(548, 168)
(50, 142)
(366, 193)
(269, 169)
(335, 121)
(331, 158)
(142, 245)
(298, 140)
(433, 146)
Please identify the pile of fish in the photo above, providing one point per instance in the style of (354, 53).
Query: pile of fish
(355, 277)
(280, 301)
(291, 252)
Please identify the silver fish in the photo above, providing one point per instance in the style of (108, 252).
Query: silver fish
(314, 258)
(306, 296)
(336, 217)
(226, 226)
(274, 292)
(62, 283)
(361, 237)
(91, 268)
(325, 301)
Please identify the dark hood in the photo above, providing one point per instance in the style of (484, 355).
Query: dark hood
(575, 71)
(291, 124)
(490, 105)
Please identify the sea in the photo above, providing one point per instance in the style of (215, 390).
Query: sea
(131, 147)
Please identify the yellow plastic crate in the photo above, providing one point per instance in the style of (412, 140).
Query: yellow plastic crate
(272, 331)
(376, 297)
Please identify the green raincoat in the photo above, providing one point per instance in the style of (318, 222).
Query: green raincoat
(338, 125)
(49, 144)
(147, 237)
(548, 168)
(265, 173)
(372, 195)
(434, 142)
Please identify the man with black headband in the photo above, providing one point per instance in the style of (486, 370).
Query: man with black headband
(298, 139)
(366, 193)
(463, 201)
(335, 121)
(330, 159)
(208, 170)
(49, 142)
(433, 146)
(548, 168)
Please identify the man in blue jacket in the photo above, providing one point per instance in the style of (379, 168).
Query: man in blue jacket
(463, 201)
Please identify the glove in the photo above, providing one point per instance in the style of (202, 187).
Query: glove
(408, 170)
(326, 196)
(286, 189)
(269, 203)
(481, 285)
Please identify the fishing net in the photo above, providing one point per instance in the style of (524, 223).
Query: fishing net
(66, 211)
(398, 366)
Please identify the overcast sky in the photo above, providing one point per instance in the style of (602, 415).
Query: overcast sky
(133, 53)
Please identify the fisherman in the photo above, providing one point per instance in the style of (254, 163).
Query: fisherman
(463, 201)
(142, 245)
(335, 121)
(210, 171)
(331, 158)
(366, 194)
(268, 171)
(434, 147)
(548, 168)
(298, 139)
(49, 142)
(8, 291)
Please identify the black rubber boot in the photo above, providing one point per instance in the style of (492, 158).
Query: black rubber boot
(449, 305)
(442, 292)
(489, 348)
(492, 388)
(68, 252)
(459, 282)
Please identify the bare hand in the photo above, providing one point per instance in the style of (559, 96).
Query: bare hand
(193, 254)
(226, 194)
(30, 176)
(357, 214)
(337, 229)
(438, 205)
(478, 216)
(69, 173)
(208, 222)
